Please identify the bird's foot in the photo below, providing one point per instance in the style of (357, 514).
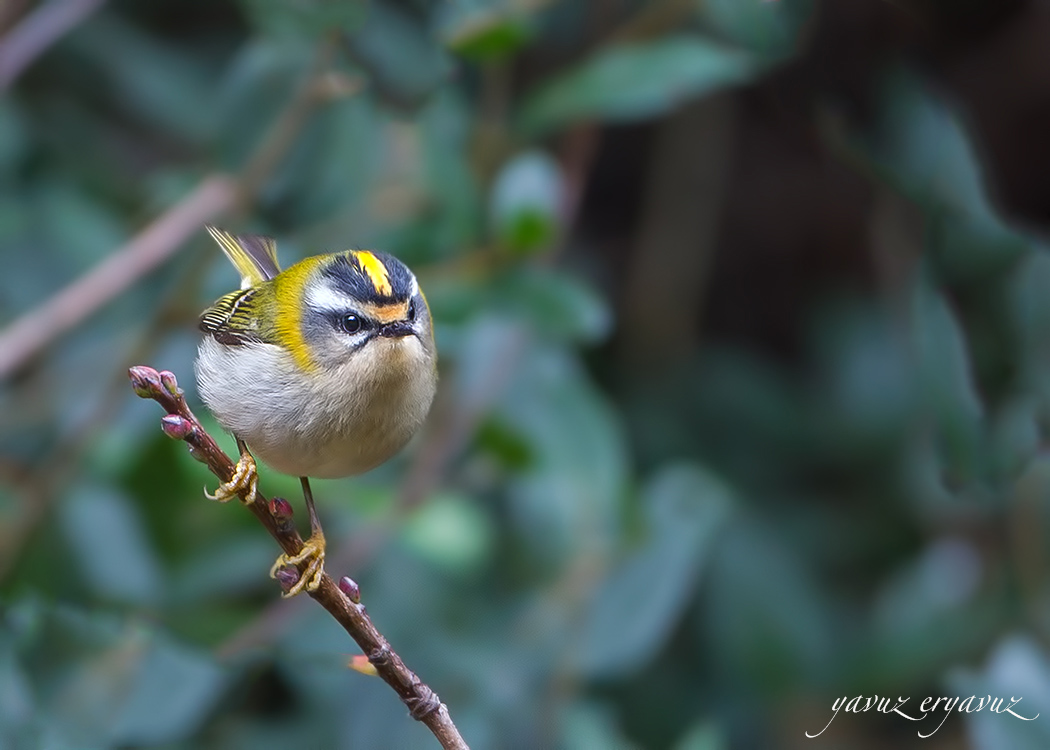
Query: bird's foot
(245, 480)
(313, 553)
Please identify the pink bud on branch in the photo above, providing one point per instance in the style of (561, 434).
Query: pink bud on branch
(176, 426)
(349, 587)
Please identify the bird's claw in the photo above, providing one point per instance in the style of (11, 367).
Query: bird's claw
(309, 579)
(245, 480)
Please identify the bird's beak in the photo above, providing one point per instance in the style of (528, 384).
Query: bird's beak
(396, 330)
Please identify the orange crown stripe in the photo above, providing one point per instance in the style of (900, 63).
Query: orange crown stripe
(376, 272)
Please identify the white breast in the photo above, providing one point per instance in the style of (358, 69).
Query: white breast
(335, 423)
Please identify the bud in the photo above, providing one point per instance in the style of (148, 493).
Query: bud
(280, 508)
(360, 663)
(145, 381)
(287, 577)
(349, 587)
(171, 385)
(176, 426)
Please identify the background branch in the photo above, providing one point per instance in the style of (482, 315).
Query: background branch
(38, 31)
(214, 196)
(275, 515)
(117, 272)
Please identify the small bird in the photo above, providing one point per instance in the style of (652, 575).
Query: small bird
(325, 369)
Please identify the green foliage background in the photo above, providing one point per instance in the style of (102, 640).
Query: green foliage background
(627, 524)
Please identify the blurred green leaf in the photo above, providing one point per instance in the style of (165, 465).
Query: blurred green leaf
(113, 554)
(638, 81)
(946, 377)
(104, 682)
(1028, 310)
(560, 306)
(183, 105)
(763, 617)
(748, 406)
(487, 33)
(944, 578)
(451, 532)
(970, 250)
(14, 140)
(94, 690)
(526, 202)
(921, 147)
(331, 167)
(588, 725)
(566, 499)
(304, 18)
(641, 601)
(871, 384)
(456, 210)
(1016, 668)
(269, 733)
(77, 228)
(254, 87)
(482, 349)
(507, 446)
(925, 148)
(704, 735)
(770, 29)
(174, 690)
(404, 62)
(1015, 438)
(238, 563)
(17, 702)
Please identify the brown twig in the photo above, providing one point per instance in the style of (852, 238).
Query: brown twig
(38, 31)
(342, 602)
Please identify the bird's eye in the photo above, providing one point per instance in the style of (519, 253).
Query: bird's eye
(412, 310)
(350, 323)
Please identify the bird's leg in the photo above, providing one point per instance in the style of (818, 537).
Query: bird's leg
(313, 550)
(245, 477)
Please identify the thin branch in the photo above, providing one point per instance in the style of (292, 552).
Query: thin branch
(27, 335)
(341, 601)
(11, 11)
(38, 31)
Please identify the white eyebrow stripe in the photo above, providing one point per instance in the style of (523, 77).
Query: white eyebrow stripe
(324, 297)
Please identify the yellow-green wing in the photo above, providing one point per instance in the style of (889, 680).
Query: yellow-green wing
(235, 318)
(254, 256)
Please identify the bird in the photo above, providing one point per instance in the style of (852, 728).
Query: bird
(325, 369)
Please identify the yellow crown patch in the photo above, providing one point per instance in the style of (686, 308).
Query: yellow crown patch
(376, 272)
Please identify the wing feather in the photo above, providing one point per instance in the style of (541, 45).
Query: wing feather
(253, 255)
(233, 319)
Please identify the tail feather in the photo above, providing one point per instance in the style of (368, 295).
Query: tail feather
(254, 256)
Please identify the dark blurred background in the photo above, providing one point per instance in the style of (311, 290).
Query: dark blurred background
(745, 335)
